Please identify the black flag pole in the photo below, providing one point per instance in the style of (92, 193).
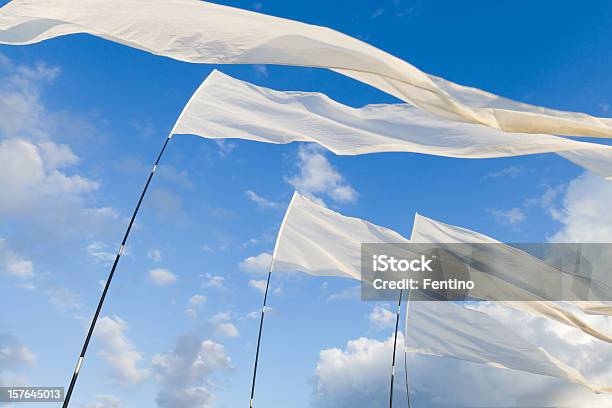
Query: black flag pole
(110, 278)
(265, 300)
(399, 305)
(94, 320)
(263, 313)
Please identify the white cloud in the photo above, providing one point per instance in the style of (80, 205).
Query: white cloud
(227, 329)
(13, 354)
(97, 251)
(513, 216)
(260, 285)
(14, 264)
(382, 318)
(65, 301)
(225, 146)
(184, 373)
(257, 264)
(317, 176)
(261, 70)
(39, 185)
(119, 352)
(154, 254)
(585, 214)
(214, 281)
(103, 401)
(161, 277)
(357, 376)
(223, 326)
(194, 304)
(259, 200)
(510, 171)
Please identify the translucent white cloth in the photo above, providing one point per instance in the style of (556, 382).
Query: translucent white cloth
(427, 230)
(318, 241)
(200, 32)
(225, 107)
(447, 329)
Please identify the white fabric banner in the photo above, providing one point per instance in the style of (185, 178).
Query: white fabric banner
(225, 107)
(447, 329)
(318, 241)
(201, 32)
(426, 230)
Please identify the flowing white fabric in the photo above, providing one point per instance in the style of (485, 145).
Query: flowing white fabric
(426, 230)
(447, 329)
(318, 241)
(225, 107)
(201, 32)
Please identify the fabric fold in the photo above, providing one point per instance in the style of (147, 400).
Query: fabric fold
(225, 107)
(446, 329)
(200, 32)
(427, 230)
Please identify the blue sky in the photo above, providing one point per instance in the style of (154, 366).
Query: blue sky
(82, 119)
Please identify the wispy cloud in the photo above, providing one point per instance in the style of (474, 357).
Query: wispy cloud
(259, 200)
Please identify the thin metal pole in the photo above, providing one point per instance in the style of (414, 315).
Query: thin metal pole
(110, 278)
(263, 312)
(405, 352)
(399, 305)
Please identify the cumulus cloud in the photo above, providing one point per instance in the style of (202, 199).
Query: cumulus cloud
(39, 182)
(119, 352)
(223, 326)
(161, 277)
(258, 264)
(585, 214)
(213, 281)
(357, 376)
(316, 176)
(194, 304)
(381, 318)
(184, 373)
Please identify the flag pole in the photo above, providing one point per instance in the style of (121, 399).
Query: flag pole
(263, 309)
(110, 278)
(405, 352)
(118, 256)
(261, 320)
(399, 305)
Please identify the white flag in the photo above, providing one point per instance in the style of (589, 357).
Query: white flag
(447, 329)
(427, 230)
(318, 241)
(201, 32)
(225, 107)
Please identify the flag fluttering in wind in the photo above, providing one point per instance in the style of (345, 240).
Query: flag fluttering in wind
(318, 241)
(201, 32)
(322, 242)
(427, 230)
(447, 329)
(225, 107)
